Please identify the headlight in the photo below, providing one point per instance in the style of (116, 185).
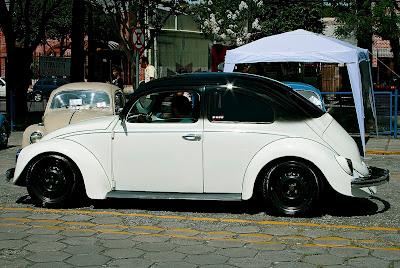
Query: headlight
(35, 136)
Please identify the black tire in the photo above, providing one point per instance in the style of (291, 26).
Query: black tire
(293, 188)
(54, 181)
(3, 137)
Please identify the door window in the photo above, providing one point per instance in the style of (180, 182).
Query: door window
(240, 106)
(166, 107)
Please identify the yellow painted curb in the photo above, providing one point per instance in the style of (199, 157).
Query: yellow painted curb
(383, 152)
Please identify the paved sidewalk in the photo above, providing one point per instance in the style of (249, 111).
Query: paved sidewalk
(383, 145)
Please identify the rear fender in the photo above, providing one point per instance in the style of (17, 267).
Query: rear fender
(96, 182)
(321, 156)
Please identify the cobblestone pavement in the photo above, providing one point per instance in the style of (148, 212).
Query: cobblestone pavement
(138, 233)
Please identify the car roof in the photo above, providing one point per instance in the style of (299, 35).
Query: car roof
(302, 86)
(109, 88)
(207, 78)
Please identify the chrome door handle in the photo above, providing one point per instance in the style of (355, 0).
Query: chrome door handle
(192, 137)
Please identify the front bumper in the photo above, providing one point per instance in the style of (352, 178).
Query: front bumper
(377, 176)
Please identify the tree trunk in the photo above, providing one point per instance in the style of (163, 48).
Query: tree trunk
(364, 36)
(91, 46)
(77, 47)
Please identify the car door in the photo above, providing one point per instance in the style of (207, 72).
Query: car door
(158, 148)
(239, 123)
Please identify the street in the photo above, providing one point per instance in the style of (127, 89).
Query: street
(166, 233)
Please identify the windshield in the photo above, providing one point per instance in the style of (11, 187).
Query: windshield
(81, 99)
(312, 97)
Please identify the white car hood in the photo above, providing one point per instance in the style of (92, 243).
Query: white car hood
(100, 123)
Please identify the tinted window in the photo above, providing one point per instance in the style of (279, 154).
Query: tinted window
(166, 107)
(239, 106)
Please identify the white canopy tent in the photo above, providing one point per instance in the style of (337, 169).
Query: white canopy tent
(304, 46)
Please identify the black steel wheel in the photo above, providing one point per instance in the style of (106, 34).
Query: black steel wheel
(292, 187)
(37, 97)
(53, 181)
(3, 137)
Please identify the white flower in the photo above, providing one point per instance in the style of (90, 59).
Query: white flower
(239, 41)
(256, 25)
(243, 5)
(223, 36)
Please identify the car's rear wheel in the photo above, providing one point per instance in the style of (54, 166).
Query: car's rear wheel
(3, 137)
(292, 187)
(54, 181)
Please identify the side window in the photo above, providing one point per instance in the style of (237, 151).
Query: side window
(239, 106)
(166, 107)
(119, 102)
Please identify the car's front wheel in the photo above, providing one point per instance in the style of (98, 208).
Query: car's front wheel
(37, 96)
(54, 181)
(292, 187)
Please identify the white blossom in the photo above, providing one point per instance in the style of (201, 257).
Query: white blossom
(256, 25)
(243, 5)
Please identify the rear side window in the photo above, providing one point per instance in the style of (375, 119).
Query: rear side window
(239, 106)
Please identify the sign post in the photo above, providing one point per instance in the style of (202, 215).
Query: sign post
(138, 45)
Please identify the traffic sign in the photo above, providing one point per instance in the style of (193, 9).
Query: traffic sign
(138, 38)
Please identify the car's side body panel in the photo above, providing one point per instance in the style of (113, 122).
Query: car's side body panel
(95, 178)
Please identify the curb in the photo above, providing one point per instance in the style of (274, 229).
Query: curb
(381, 152)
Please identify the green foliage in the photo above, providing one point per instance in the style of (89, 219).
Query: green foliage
(240, 21)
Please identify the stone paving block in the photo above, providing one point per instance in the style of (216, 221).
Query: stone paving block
(129, 263)
(46, 256)
(181, 231)
(44, 216)
(237, 252)
(308, 250)
(12, 254)
(83, 249)
(111, 236)
(280, 230)
(107, 220)
(13, 236)
(396, 264)
(386, 255)
(166, 256)
(44, 238)
(22, 215)
(12, 229)
(123, 253)
(225, 244)
(76, 217)
(45, 246)
(149, 238)
(12, 244)
(390, 237)
(314, 233)
(323, 259)
(74, 241)
(18, 263)
(173, 265)
(51, 265)
(217, 266)
(88, 259)
(243, 229)
(294, 265)
(156, 246)
(349, 252)
(42, 231)
(278, 256)
(332, 241)
(186, 242)
(195, 249)
(206, 259)
(78, 233)
(124, 243)
(267, 246)
(357, 235)
(250, 262)
(368, 262)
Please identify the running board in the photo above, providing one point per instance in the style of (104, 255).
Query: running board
(184, 196)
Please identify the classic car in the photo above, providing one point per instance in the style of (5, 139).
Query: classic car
(73, 103)
(4, 131)
(309, 92)
(214, 136)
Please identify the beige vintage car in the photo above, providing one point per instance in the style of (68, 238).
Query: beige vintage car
(73, 103)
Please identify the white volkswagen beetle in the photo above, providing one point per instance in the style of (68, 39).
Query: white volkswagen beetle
(202, 136)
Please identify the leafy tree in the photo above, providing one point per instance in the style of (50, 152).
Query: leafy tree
(24, 25)
(150, 15)
(237, 22)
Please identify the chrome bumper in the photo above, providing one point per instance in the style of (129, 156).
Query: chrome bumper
(377, 176)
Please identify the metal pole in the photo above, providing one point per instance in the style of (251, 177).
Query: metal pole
(396, 106)
(137, 70)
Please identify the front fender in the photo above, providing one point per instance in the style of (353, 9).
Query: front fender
(320, 155)
(96, 182)
(28, 131)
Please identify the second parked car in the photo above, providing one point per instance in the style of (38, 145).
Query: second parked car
(43, 88)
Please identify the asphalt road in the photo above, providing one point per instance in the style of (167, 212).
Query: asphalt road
(137, 233)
